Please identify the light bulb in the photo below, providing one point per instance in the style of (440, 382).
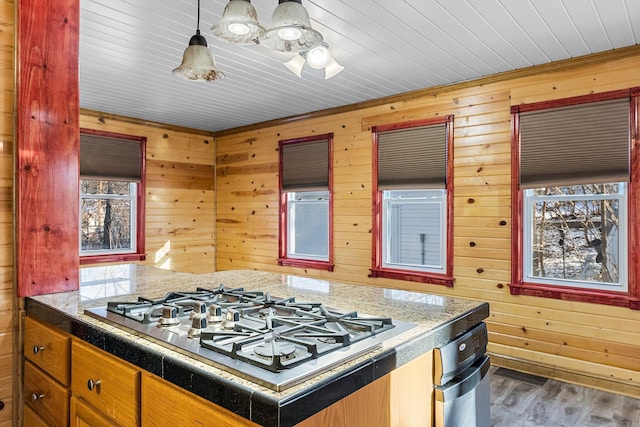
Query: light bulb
(238, 28)
(318, 57)
(289, 33)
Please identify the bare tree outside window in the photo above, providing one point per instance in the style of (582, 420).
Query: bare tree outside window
(106, 212)
(575, 232)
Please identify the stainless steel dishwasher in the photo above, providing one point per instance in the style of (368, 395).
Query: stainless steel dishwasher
(461, 378)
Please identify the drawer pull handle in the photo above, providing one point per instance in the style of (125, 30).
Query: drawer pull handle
(1, 405)
(37, 349)
(91, 385)
(36, 397)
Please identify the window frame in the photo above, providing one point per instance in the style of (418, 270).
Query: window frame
(283, 242)
(528, 204)
(519, 286)
(378, 268)
(139, 253)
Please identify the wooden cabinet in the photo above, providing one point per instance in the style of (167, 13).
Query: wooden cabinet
(84, 415)
(48, 348)
(402, 398)
(109, 385)
(46, 374)
(32, 419)
(163, 403)
(45, 396)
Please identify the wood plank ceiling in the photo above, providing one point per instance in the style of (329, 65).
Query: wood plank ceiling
(129, 47)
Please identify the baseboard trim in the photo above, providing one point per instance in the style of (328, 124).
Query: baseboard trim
(568, 376)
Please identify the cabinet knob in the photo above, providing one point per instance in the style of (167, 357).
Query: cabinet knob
(91, 385)
(1, 405)
(37, 349)
(36, 397)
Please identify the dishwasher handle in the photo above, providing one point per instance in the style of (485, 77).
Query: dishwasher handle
(465, 382)
(459, 354)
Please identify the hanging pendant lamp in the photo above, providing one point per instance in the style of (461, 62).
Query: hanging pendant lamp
(290, 29)
(198, 63)
(239, 23)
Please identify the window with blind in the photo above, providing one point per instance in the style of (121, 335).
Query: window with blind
(574, 205)
(111, 197)
(306, 202)
(413, 193)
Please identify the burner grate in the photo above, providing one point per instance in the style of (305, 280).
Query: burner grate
(274, 341)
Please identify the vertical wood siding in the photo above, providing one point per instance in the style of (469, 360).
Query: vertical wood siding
(8, 356)
(557, 338)
(47, 146)
(180, 179)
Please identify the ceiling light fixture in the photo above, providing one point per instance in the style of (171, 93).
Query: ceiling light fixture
(198, 63)
(317, 58)
(239, 23)
(290, 29)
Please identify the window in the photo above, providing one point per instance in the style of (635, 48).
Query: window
(306, 202)
(575, 208)
(111, 197)
(413, 193)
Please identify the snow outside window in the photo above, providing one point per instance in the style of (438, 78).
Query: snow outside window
(414, 230)
(107, 217)
(576, 236)
(308, 225)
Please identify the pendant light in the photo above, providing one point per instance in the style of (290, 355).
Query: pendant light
(317, 58)
(198, 63)
(239, 23)
(290, 29)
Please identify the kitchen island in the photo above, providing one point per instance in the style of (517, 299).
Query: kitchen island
(437, 320)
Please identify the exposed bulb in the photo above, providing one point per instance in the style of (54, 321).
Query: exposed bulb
(289, 33)
(318, 57)
(238, 28)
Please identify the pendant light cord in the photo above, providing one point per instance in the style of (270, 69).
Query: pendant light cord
(198, 22)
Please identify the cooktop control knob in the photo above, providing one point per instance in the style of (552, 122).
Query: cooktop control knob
(231, 317)
(169, 317)
(198, 323)
(215, 313)
(199, 308)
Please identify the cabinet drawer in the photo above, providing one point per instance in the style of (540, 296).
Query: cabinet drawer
(109, 384)
(48, 348)
(45, 396)
(32, 419)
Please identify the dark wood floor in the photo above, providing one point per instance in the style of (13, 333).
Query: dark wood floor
(520, 400)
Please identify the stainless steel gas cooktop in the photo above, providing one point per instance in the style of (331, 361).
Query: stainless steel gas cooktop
(275, 342)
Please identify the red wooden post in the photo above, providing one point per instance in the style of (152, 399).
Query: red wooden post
(47, 141)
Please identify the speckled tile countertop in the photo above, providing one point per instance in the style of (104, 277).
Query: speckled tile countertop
(439, 319)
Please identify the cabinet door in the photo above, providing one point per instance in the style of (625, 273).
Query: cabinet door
(83, 415)
(45, 396)
(48, 348)
(109, 384)
(163, 403)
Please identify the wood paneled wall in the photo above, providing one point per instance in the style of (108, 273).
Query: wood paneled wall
(180, 180)
(592, 344)
(8, 354)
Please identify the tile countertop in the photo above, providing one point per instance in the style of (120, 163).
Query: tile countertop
(439, 319)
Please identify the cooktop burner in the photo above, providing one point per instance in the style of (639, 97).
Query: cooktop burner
(276, 342)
